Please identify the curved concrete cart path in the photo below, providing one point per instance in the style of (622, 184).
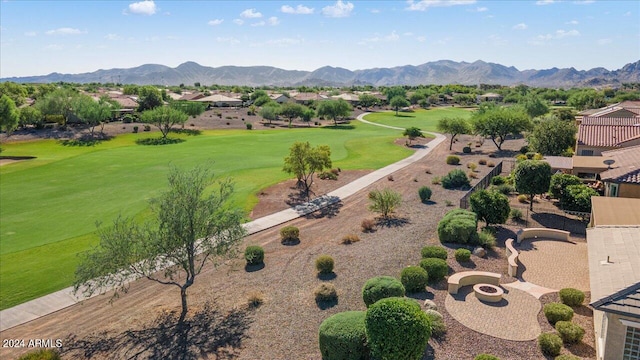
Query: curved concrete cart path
(64, 298)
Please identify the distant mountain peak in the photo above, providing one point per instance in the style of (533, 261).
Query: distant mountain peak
(437, 72)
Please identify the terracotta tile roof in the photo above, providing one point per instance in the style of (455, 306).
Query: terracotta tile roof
(606, 135)
(588, 120)
(626, 167)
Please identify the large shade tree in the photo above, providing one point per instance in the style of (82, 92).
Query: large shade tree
(164, 118)
(499, 122)
(189, 227)
(334, 110)
(454, 126)
(291, 110)
(398, 102)
(552, 136)
(9, 115)
(532, 177)
(304, 161)
(491, 206)
(149, 97)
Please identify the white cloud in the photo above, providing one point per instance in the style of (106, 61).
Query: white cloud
(228, 40)
(408, 34)
(572, 22)
(30, 33)
(388, 38)
(545, 2)
(338, 10)
(583, 2)
(259, 23)
(561, 33)
(146, 7)
(300, 10)
(112, 37)
(238, 21)
(284, 42)
(482, 9)
(64, 31)
(273, 21)
(423, 5)
(604, 41)
(521, 26)
(215, 22)
(375, 11)
(250, 14)
(54, 47)
(421, 38)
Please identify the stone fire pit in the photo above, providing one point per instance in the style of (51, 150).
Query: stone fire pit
(488, 292)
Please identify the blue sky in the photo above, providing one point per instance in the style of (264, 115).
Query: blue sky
(40, 37)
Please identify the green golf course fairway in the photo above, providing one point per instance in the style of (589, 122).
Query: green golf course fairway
(426, 120)
(50, 205)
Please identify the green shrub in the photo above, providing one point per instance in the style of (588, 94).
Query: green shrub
(436, 180)
(324, 264)
(455, 179)
(486, 357)
(498, 180)
(557, 312)
(458, 226)
(325, 292)
(466, 150)
(327, 175)
(436, 268)
(254, 255)
(42, 354)
(425, 193)
(569, 332)
(438, 327)
(453, 160)
(289, 234)
(550, 344)
(249, 126)
(437, 252)
(505, 189)
(559, 183)
(577, 198)
(135, 129)
(381, 287)
(463, 255)
(397, 329)
(571, 297)
(486, 239)
(472, 166)
(343, 337)
(523, 198)
(384, 202)
(516, 214)
(414, 279)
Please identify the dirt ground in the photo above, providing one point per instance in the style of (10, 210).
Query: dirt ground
(285, 325)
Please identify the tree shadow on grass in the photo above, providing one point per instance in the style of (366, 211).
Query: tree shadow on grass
(208, 332)
(339, 127)
(86, 140)
(188, 132)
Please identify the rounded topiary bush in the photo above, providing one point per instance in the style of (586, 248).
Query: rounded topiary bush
(436, 268)
(397, 329)
(325, 292)
(324, 264)
(550, 344)
(498, 180)
(343, 337)
(571, 297)
(425, 193)
(254, 255)
(485, 357)
(437, 252)
(455, 179)
(555, 312)
(463, 255)
(569, 332)
(289, 235)
(381, 287)
(414, 279)
(459, 226)
(438, 327)
(42, 354)
(453, 160)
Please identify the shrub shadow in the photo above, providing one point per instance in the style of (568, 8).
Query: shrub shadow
(327, 277)
(209, 332)
(429, 202)
(17, 157)
(328, 211)
(468, 264)
(254, 268)
(392, 222)
(292, 242)
(423, 295)
(324, 305)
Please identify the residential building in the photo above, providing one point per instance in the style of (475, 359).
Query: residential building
(622, 179)
(596, 135)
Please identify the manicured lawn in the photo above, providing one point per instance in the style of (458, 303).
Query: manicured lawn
(50, 205)
(426, 120)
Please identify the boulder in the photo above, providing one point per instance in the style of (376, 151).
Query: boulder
(480, 252)
(430, 305)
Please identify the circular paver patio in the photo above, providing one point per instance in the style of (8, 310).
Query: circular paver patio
(554, 264)
(513, 318)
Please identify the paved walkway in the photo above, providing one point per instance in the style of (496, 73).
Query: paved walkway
(64, 298)
(514, 318)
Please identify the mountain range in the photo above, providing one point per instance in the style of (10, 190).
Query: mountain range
(438, 72)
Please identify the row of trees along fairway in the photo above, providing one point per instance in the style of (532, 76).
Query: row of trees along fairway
(191, 224)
